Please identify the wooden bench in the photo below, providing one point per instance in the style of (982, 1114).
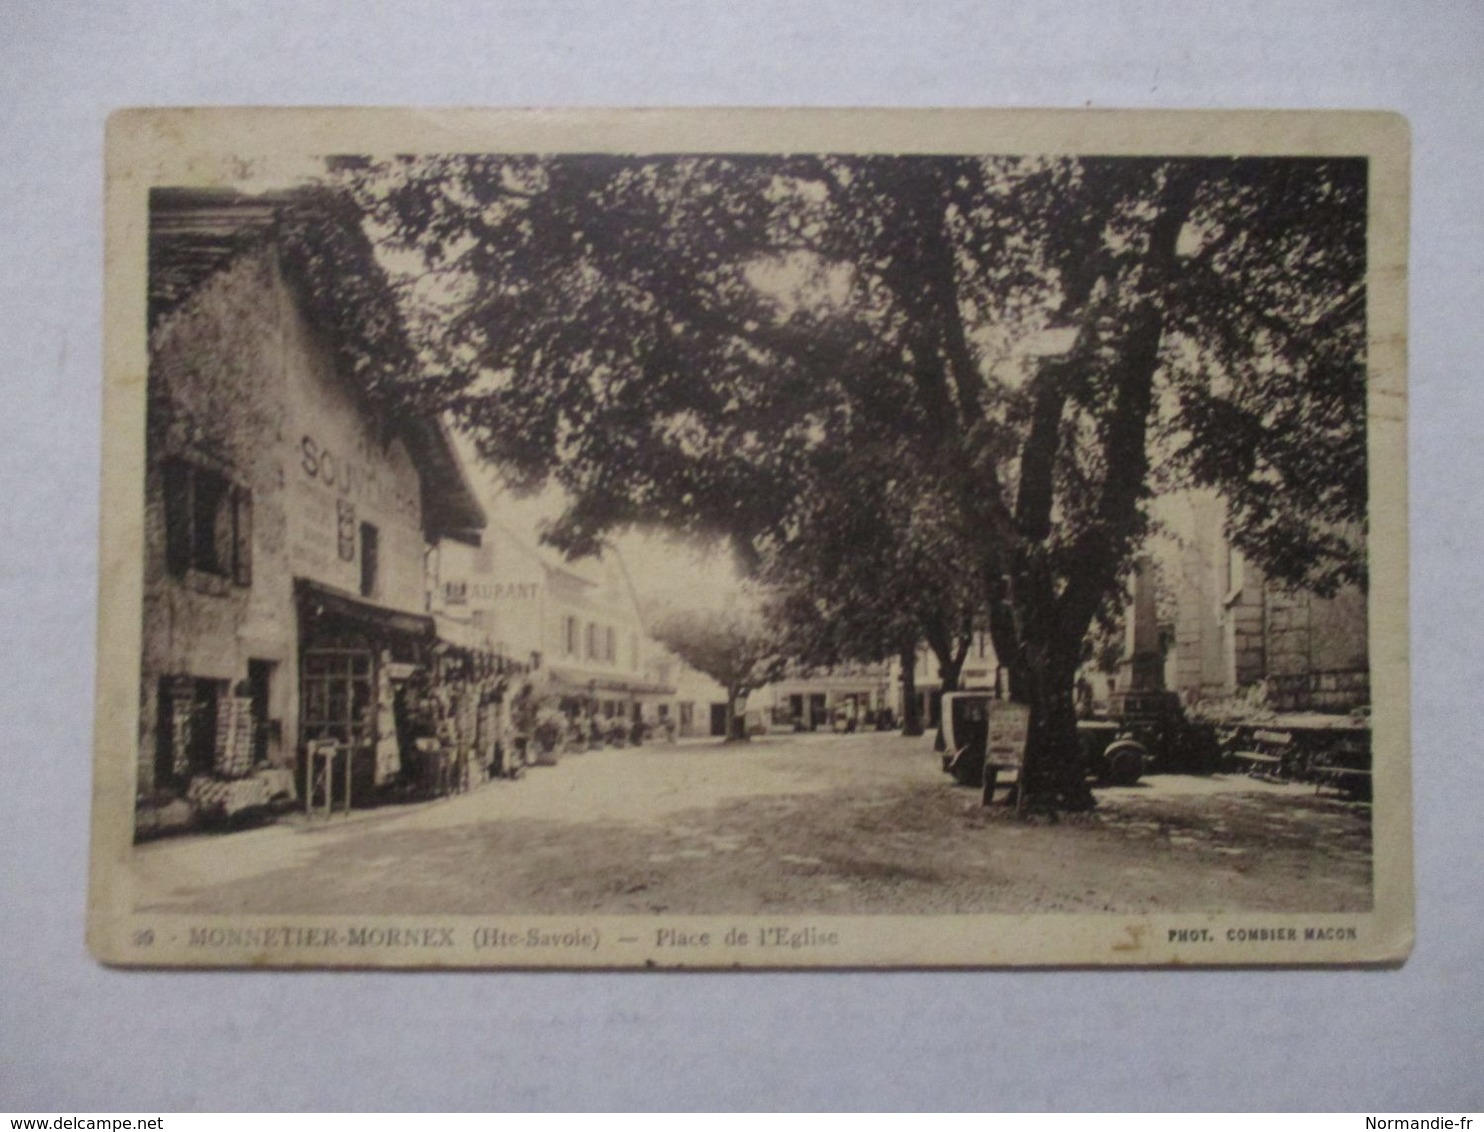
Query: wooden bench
(1265, 754)
(1256, 762)
(1352, 781)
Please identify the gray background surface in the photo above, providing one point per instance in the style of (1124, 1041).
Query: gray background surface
(75, 1036)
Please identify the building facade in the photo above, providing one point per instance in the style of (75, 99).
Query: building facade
(1236, 632)
(695, 706)
(848, 696)
(287, 519)
(857, 696)
(576, 623)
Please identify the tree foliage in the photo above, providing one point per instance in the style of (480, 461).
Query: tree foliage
(756, 346)
(875, 564)
(346, 291)
(593, 321)
(738, 649)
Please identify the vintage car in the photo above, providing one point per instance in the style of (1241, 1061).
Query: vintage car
(1157, 720)
(1108, 752)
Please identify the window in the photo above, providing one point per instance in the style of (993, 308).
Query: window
(370, 554)
(570, 634)
(592, 641)
(1236, 576)
(456, 593)
(187, 727)
(208, 523)
(336, 696)
(610, 646)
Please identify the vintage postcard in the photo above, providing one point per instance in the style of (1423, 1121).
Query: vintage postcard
(762, 538)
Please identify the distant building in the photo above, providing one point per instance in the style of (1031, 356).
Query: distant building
(862, 693)
(577, 622)
(981, 670)
(696, 705)
(810, 700)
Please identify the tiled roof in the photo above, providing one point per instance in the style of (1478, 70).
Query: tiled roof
(195, 232)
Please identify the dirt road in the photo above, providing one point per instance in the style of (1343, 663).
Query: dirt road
(818, 823)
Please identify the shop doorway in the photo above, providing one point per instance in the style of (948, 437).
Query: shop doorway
(260, 689)
(818, 713)
(336, 695)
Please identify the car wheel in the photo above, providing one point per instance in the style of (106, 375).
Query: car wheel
(1123, 763)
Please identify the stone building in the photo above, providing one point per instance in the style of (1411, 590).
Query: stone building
(290, 500)
(1236, 632)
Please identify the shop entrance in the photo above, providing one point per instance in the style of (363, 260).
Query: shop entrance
(335, 700)
(818, 713)
(260, 688)
(344, 694)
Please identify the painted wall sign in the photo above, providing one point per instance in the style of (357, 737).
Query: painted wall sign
(505, 591)
(345, 529)
(356, 477)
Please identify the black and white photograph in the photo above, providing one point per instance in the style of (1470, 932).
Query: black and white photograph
(753, 539)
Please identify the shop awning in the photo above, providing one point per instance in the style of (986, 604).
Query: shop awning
(319, 600)
(564, 678)
(463, 635)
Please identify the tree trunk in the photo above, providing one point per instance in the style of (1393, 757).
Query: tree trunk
(1049, 620)
(911, 709)
(736, 721)
(1053, 775)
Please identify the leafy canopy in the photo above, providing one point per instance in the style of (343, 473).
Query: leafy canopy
(736, 648)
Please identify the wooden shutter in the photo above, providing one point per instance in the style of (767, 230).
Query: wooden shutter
(179, 530)
(370, 559)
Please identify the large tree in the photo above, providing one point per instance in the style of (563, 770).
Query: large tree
(874, 565)
(1216, 317)
(684, 340)
(738, 648)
